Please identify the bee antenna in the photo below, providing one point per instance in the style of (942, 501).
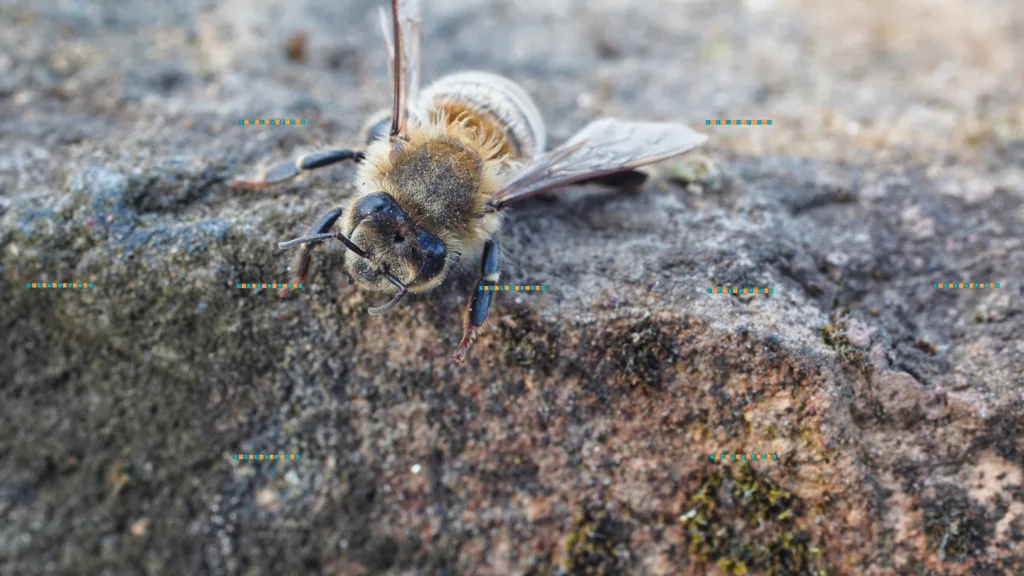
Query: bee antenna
(402, 291)
(318, 238)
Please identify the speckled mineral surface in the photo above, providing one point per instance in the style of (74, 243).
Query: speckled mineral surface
(576, 437)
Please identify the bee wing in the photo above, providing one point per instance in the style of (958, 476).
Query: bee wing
(403, 42)
(604, 146)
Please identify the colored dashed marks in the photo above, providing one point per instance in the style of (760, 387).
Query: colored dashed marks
(731, 456)
(58, 285)
(965, 285)
(727, 290)
(271, 121)
(266, 456)
(508, 288)
(737, 122)
(259, 286)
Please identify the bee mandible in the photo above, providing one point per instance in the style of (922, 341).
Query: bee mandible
(441, 166)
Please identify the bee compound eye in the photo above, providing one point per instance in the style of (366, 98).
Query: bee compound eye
(370, 204)
(377, 206)
(433, 256)
(431, 245)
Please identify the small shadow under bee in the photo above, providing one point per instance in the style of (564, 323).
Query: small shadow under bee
(594, 193)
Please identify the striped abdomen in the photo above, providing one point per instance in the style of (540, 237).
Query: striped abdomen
(496, 105)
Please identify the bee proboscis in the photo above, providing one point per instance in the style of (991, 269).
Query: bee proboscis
(441, 166)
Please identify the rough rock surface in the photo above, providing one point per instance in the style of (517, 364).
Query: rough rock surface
(576, 438)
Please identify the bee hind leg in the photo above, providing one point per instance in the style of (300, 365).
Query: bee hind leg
(300, 266)
(480, 301)
(285, 171)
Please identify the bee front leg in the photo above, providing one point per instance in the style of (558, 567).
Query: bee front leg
(300, 266)
(286, 171)
(480, 301)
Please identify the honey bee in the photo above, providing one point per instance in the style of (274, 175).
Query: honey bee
(441, 166)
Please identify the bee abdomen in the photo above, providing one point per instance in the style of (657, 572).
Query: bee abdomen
(496, 104)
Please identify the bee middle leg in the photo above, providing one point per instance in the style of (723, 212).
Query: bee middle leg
(480, 301)
(300, 266)
(286, 171)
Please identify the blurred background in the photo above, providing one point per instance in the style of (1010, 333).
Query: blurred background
(836, 79)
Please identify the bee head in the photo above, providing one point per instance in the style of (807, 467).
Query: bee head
(393, 242)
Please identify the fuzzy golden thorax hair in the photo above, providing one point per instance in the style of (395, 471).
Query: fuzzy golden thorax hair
(440, 178)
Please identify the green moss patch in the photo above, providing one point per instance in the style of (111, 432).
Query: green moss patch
(638, 354)
(597, 543)
(743, 522)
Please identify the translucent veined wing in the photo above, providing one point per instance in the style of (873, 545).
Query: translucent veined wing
(604, 146)
(402, 37)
